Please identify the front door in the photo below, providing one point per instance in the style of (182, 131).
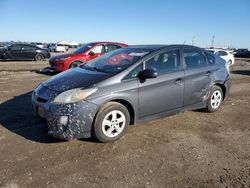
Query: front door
(95, 52)
(15, 52)
(164, 93)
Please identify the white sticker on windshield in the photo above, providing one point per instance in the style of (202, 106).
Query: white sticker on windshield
(137, 53)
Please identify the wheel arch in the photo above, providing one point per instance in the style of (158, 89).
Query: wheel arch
(222, 86)
(75, 60)
(130, 108)
(125, 103)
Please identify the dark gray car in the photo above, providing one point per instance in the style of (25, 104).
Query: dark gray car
(129, 86)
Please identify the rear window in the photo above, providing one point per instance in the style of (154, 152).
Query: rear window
(28, 47)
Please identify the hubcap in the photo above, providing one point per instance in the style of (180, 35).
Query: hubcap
(38, 57)
(113, 123)
(216, 99)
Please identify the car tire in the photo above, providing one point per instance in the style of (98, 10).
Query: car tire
(111, 122)
(39, 57)
(215, 99)
(229, 63)
(75, 64)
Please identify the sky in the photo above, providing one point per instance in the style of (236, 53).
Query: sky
(128, 21)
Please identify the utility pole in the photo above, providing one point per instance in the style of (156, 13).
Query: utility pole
(193, 40)
(213, 41)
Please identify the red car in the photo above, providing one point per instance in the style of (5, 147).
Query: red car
(83, 54)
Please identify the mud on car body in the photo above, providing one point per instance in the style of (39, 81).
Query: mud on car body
(129, 86)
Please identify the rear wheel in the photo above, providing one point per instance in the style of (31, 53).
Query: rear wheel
(215, 99)
(75, 64)
(229, 63)
(111, 122)
(39, 57)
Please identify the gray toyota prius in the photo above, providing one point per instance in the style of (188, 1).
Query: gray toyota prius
(128, 86)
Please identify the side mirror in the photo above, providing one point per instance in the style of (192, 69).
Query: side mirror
(91, 53)
(147, 74)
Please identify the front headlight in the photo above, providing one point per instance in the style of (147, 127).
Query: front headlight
(74, 95)
(62, 58)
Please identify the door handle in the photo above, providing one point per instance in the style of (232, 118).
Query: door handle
(208, 73)
(178, 81)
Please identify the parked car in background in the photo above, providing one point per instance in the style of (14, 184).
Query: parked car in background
(23, 51)
(129, 86)
(242, 53)
(39, 44)
(224, 54)
(82, 55)
(1, 46)
(53, 47)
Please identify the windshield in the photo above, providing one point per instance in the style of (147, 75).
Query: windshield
(83, 48)
(116, 61)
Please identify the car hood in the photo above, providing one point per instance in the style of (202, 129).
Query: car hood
(65, 55)
(74, 78)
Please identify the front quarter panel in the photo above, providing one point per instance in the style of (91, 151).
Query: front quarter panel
(125, 90)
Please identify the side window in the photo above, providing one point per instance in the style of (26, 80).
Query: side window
(98, 49)
(111, 47)
(194, 58)
(165, 62)
(16, 47)
(28, 47)
(211, 59)
(134, 73)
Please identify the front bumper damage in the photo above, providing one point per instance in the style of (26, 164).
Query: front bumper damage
(67, 121)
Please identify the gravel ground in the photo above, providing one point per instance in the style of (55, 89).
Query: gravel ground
(191, 149)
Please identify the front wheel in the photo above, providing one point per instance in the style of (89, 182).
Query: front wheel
(111, 122)
(215, 99)
(39, 57)
(75, 64)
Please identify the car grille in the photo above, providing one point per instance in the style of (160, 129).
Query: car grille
(43, 94)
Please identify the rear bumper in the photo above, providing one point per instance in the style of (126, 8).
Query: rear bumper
(227, 85)
(47, 56)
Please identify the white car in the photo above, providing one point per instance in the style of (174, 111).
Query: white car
(56, 47)
(224, 54)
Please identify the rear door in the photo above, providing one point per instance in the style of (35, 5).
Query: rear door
(111, 47)
(165, 92)
(198, 76)
(28, 51)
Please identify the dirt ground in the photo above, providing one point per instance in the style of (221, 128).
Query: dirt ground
(191, 149)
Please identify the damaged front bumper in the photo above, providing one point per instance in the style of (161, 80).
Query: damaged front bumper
(67, 121)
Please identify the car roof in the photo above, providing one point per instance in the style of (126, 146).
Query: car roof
(103, 42)
(216, 50)
(20, 43)
(154, 47)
